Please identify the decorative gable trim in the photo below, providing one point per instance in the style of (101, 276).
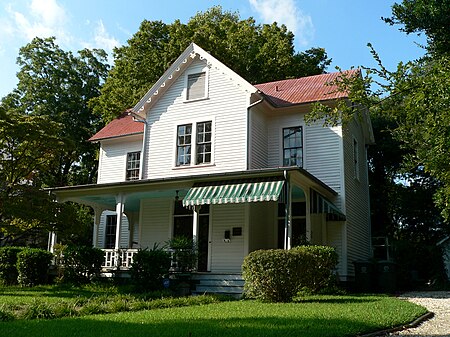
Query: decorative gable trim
(178, 67)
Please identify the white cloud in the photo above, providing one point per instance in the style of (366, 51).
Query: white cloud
(286, 12)
(43, 18)
(103, 39)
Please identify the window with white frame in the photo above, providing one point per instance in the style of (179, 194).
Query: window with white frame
(196, 86)
(355, 158)
(133, 165)
(293, 146)
(203, 146)
(184, 136)
(201, 151)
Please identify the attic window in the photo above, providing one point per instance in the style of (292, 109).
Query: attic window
(196, 86)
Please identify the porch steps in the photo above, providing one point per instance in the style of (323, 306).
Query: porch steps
(218, 283)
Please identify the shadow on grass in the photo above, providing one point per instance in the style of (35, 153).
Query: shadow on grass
(338, 300)
(143, 325)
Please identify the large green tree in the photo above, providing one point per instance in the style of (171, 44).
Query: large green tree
(44, 126)
(259, 53)
(57, 84)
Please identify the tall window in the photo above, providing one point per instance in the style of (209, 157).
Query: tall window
(196, 86)
(184, 134)
(110, 231)
(133, 164)
(203, 143)
(293, 146)
(298, 213)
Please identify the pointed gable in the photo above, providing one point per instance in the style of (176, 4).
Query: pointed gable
(178, 67)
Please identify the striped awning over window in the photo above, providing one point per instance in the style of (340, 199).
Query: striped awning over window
(234, 192)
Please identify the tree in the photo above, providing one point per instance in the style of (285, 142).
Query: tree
(424, 16)
(44, 126)
(57, 84)
(259, 53)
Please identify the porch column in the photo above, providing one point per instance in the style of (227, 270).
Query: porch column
(120, 199)
(288, 216)
(195, 223)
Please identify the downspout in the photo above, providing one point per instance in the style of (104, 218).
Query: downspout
(139, 119)
(248, 127)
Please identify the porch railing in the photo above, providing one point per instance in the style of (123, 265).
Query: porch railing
(122, 258)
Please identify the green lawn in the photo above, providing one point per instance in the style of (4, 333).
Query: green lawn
(312, 316)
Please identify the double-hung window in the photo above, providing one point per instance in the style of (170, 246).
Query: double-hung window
(184, 138)
(133, 165)
(203, 146)
(201, 151)
(110, 231)
(293, 146)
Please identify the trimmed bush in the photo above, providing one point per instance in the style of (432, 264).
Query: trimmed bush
(32, 266)
(8, 262)
(149, 267)
(277, 275)
(79, 264)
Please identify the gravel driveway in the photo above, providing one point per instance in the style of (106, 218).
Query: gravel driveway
(437, 302)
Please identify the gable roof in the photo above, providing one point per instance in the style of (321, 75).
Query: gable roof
(305, 89)
(124, 125)
(177, 68)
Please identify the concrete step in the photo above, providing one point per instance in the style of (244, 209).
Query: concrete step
(223, 283)
(215, 276)
(219, 290)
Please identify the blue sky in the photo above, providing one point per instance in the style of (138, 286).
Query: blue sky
(342, 27)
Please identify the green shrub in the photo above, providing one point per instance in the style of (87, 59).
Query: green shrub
(32, 266)
(79, 264)
(185, 253)
(149, 267)
(277, 275)
(8, 265)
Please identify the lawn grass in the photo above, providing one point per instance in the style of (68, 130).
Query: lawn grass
(345, 315)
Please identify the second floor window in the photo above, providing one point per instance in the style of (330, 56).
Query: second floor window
(184, 135)
(196, 153)
(133, 165)
(203, 143)
(293, 146)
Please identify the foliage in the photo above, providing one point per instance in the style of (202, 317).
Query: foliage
(278, 275)
(323, 316)
(259, 53)
(32, 266)
(424, 16)
(149, 268)
(44, 125)
(185, 253)
(8, 265)
(78, 264)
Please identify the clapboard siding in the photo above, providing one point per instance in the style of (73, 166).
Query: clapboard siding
(323, 154)
(258, 140)
(226, 107)
(113, 158)
(124, 232)
(156, 220)
(227, 257)
(356, 198)
(335, 239)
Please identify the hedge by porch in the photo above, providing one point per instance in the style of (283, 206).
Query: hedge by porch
(277, 275)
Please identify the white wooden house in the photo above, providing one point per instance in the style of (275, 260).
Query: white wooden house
(209, 155)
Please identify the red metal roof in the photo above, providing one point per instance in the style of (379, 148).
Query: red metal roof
(121, 126)
(305, 89)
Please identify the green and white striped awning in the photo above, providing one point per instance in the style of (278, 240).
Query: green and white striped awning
(233, 193)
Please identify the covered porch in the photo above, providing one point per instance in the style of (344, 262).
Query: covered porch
(228, 215)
